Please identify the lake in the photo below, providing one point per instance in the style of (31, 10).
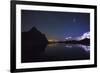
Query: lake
(60, 52)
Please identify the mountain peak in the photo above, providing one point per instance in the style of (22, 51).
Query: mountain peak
(85, 35)
(33, 28)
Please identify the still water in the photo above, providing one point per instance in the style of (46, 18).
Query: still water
(62, 51)
(57, 52)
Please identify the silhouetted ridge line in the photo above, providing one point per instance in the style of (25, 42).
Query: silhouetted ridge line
(33, 41)
(85, 41)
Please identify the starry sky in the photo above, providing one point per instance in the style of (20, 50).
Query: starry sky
(56, 25)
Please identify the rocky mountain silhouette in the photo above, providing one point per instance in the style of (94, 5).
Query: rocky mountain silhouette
(84, 41)
(32, 41)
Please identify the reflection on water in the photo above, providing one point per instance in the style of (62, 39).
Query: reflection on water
(52, 45)
(62, 51)
(86, 48)
(58, 52)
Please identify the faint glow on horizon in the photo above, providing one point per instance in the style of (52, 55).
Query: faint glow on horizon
(52, 45)
(51, 40)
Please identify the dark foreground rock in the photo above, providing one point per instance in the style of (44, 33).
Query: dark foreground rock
(33, 43)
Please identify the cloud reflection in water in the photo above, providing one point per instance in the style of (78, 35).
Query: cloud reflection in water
(85, 47)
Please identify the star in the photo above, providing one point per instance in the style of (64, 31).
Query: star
(74, 20)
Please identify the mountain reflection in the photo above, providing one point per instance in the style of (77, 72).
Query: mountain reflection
(57, 52)
(84, 47)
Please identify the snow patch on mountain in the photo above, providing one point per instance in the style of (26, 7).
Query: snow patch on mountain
(85, 35)
(68, 38)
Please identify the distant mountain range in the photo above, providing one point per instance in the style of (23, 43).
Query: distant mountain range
(84, 39)
(84, 36)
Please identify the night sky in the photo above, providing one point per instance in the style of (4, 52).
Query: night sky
(56, 25)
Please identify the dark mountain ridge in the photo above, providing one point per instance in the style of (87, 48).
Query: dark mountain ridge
(32, 41)
(85, 41)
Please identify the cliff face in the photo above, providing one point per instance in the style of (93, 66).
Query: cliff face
(32, 41)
